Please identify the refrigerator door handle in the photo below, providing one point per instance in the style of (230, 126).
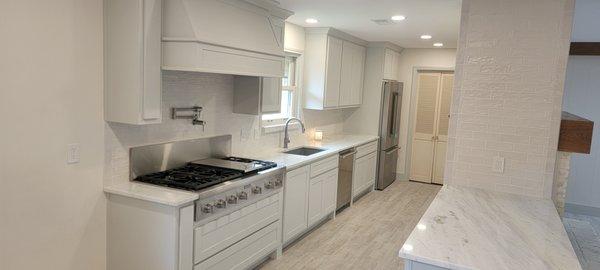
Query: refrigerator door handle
(391, 151)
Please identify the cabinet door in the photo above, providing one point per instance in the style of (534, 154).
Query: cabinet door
(346, 80)
(271, 95)
(360, 171)
(295, 203)
(333, 72)
(330, 191)
(358, 75)
(353, 64)
(315, 200)
(371, 172)
(365, 172)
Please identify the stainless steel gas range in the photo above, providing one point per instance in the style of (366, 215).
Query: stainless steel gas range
(238, 213)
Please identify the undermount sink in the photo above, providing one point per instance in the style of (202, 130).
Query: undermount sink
(304, 151)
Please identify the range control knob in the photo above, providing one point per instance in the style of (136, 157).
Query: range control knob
(257, 190)
(269, 185)
(207, 208)
(242, 195)
(232, 199)
(278, 183)
(221, 203)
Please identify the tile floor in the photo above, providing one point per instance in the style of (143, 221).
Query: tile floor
(366, 236)
(584, 233)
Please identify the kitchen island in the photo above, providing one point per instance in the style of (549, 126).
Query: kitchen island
(468, 228)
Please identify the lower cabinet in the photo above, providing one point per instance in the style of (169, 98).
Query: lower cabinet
(309, 196)
(322, 196)
(295, 204)
(365, 173)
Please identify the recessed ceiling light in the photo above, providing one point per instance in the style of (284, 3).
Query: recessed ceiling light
(438, 44)
(398, 18)
(426, 37)
(311, 20)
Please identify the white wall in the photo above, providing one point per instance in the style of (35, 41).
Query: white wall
(510, 70)
(410, 59)
(581, 98)
(52, 215)
(294, 38)
(586, 20)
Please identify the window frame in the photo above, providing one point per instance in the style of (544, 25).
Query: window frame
(274, 124)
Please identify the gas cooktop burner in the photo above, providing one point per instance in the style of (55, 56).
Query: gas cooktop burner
(193, 176)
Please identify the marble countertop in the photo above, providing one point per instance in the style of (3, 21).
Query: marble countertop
(176, 198)
(157, 194)
(333, 145)
(468, 228)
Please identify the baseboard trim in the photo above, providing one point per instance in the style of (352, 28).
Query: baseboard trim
(582, 209)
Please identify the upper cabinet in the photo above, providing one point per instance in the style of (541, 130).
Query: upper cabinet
(255, 95)
(132, 54)
(224, 36)
(240, 37)
(391, 63)
(334, 69)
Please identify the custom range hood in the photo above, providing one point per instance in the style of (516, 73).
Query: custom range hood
(240, 37)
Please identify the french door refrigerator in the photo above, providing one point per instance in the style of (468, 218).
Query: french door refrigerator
(389, 127)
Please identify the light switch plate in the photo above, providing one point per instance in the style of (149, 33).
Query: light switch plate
(498, 165)
(73, 153)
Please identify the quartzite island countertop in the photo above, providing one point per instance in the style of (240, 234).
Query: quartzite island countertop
(468, 228)
(178, 198)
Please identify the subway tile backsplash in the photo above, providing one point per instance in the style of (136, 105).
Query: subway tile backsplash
(214, 92)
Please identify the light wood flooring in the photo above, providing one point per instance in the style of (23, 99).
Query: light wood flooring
(367, 235)
(584, 233)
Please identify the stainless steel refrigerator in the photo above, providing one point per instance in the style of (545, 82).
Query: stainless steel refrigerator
(389, 127)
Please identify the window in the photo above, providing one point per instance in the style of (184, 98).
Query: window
(288, 94)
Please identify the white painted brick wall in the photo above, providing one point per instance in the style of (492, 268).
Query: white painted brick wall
(214, 92)
(510, 71)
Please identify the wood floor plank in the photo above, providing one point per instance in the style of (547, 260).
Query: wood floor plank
(366, 236)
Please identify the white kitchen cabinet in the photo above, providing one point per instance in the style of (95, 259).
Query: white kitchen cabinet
(132, 35)
(295, 206)
(310, 194)
(353, 67)
(365, 173)
(322, 196)
(253, 95)
(329, 187)
(271, 95)
(315, 200)
(334, 69)
(391, 63)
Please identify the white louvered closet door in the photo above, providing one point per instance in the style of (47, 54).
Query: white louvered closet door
(430, 131)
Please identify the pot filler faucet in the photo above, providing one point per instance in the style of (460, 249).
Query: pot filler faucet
(286, 137)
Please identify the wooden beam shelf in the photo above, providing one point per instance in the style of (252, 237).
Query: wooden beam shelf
(575, 134)
(585, 48)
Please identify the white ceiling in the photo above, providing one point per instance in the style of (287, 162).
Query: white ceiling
(439, 18)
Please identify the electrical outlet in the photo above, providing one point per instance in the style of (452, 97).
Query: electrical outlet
(73, 153)
(498, 165)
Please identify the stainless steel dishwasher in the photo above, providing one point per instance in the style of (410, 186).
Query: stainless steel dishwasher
(344, 188)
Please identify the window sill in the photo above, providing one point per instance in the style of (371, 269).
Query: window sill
(276, 128)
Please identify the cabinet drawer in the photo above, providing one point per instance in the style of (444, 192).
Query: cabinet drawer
(246, 252)
(216, 235)
(366, 149)
(323, 165)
